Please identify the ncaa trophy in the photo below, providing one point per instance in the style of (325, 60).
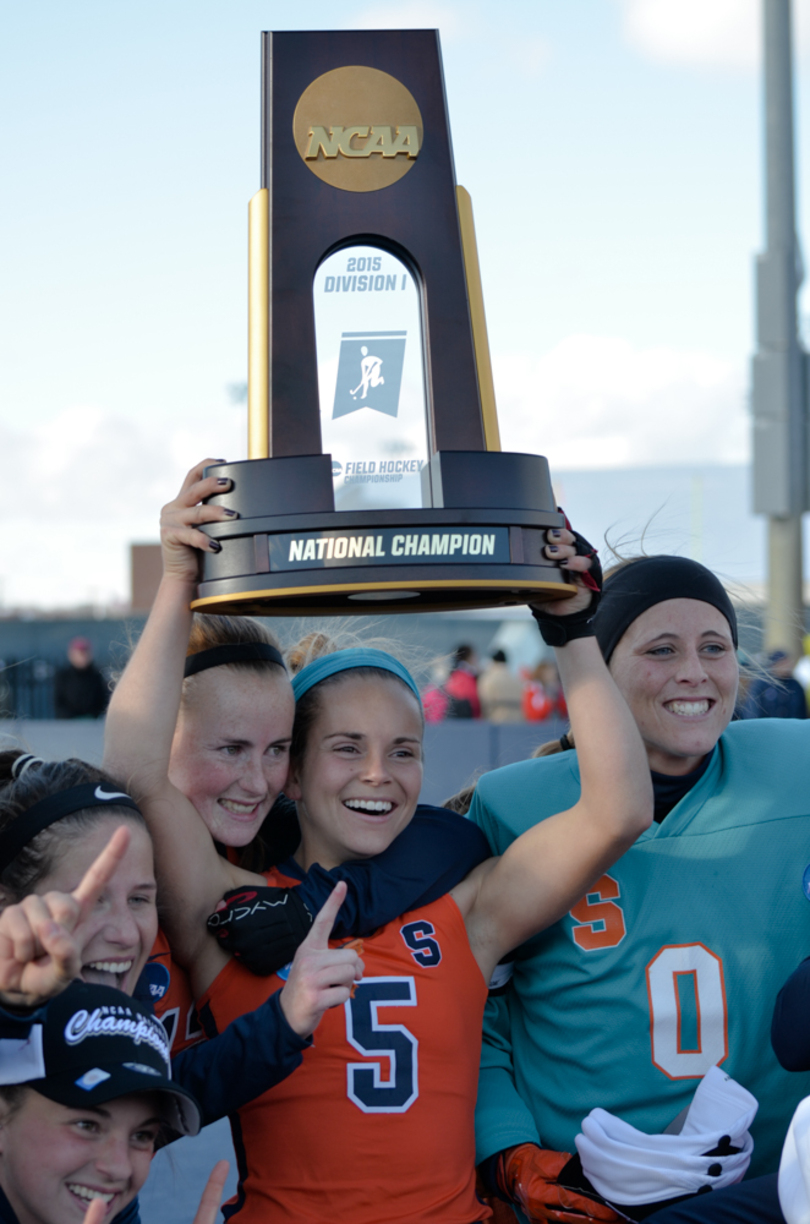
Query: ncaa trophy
(375, 474)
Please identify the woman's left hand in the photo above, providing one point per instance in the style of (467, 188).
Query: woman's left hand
(579, 560)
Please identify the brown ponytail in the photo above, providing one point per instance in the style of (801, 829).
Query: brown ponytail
(551, 747)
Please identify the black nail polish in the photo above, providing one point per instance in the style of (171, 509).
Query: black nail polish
(223, 480)
(231, 513)
(215, 546)
(555, 535)
(552, 548)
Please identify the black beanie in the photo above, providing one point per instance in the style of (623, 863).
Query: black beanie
(642, 584)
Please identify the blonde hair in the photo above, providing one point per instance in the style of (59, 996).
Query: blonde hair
(310, 647)
(552, 747)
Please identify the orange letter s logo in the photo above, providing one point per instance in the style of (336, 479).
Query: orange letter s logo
(602, 921)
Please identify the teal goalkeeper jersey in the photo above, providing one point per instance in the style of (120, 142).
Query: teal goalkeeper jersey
(670, 964)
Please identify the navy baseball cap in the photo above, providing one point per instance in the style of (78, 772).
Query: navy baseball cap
(95, 1044)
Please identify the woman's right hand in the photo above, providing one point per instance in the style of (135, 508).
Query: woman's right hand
(181, 541)
(41, 939)
(320, 977)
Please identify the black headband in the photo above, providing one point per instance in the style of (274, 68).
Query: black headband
(649, 581)
(238, 652)
(53, 808)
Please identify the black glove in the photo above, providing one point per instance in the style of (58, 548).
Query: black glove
(557, 630)
(261, 927)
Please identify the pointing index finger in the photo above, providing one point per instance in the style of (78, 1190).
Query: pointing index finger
(208, 1209)
(318, 937)
(100, 872)
(95, 1212)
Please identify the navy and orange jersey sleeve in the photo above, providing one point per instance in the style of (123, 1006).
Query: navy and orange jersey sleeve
(251, 1055)
(431, 855)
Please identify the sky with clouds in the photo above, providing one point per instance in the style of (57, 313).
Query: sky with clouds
(612, 151)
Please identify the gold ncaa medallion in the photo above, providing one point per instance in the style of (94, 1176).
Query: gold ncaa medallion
(357, 128)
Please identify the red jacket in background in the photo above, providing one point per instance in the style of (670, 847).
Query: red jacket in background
(463, 685)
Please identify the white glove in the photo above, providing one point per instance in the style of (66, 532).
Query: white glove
(627, 1166)
(794, 1168)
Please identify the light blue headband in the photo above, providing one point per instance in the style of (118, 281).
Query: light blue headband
(347, 660)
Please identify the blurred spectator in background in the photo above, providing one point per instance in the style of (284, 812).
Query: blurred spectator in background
(542, 694)
(458, 696)
(500, 691)
(80, 690)
(462, 684)
(777, 695)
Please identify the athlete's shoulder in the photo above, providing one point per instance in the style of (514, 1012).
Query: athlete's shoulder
(510, 800)
(770, 740)
(772, 752)
(765, 768)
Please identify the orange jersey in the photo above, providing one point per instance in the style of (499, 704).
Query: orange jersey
(376, 1125)
(171, 997)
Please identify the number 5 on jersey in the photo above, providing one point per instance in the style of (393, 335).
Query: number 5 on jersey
(366, 1086)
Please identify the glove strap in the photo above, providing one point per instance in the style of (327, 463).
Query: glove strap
(558, 630)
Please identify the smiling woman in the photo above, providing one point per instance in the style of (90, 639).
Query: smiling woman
(363, 787)
(230, 750)
(47, 844)
(677, 668)
(669, 964)
(121, 930)
(96, 1098)
(55, 1160)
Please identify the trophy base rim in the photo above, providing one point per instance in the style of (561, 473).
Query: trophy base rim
(333, 599)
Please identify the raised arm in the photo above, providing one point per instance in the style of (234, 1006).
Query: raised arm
(542, 874)
(140, 727)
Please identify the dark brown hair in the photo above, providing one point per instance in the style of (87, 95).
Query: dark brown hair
(39, 780)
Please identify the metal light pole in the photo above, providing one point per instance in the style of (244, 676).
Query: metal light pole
(779, 365)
